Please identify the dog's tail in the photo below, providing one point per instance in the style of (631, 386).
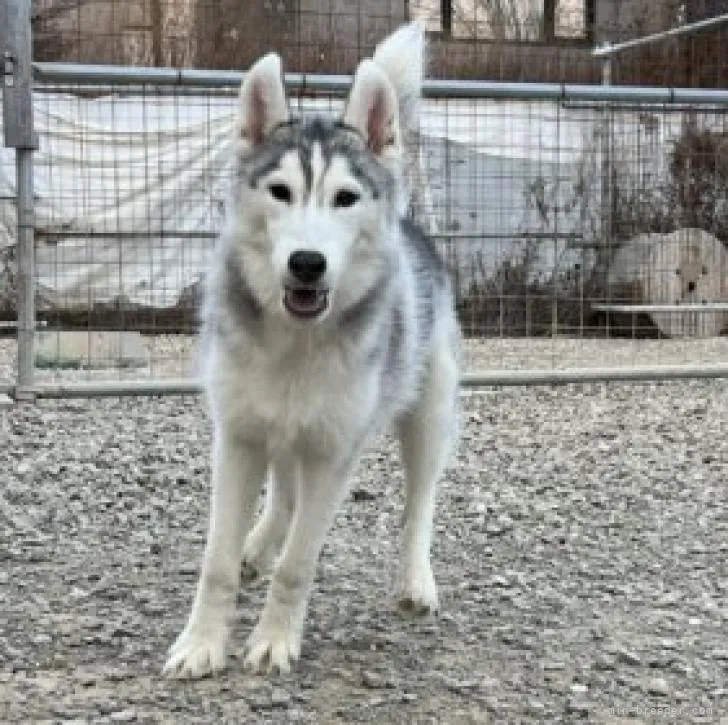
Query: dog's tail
(402, 58)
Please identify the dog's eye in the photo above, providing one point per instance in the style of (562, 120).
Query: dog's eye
(280, 192)
(345, 198)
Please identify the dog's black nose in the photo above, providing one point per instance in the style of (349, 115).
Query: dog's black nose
(306, 266)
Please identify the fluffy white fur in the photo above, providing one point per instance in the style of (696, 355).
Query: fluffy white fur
(299, 399)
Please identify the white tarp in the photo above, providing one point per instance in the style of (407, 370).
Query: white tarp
(148, 171)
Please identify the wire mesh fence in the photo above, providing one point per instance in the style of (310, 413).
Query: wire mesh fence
(584, 225)
(560, 218)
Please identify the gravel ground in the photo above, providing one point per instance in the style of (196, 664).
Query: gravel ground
(581, 553)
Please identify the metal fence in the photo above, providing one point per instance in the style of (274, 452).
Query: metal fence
(583, 225)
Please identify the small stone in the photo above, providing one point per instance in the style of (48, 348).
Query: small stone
(682, 668)
(258, 702)
(23, 467)
(628, 657)
(660, 661)
(87, 680)
(669, 599)
(280, 698)
(657, 686)
(719, 654)
(123, 716)
(361, 494)
(667, 643)
(121, 631)
(459, 686)
(371, 680)
(553, 666)
(579, 688)
(577, 706)
(603, 664)
(499, 527)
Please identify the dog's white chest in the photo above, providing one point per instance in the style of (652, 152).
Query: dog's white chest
(290, 402)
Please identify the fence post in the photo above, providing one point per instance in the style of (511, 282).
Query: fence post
(19, 134)
(606, 155)
(607, 202)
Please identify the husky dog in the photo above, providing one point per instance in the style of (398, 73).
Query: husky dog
(328, 316)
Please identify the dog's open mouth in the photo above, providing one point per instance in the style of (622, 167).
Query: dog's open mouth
(305, 301)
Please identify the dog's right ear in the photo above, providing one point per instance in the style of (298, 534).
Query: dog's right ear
(262, 101)
(372, 110)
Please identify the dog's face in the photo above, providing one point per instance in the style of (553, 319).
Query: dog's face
(316, 199)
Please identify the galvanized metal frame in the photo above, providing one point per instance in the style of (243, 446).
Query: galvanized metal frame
(19, 134)
(81, 74)
(495, 378)
(610, 49)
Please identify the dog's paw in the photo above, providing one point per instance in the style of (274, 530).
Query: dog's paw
(196, 654)
(272, 649)
(418, 593)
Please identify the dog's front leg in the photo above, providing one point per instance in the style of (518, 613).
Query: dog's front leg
(276, 640)
(238, 470)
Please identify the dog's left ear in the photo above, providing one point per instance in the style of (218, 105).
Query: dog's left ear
(372, 109)
(262, 101)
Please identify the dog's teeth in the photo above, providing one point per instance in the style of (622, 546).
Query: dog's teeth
(304, 301)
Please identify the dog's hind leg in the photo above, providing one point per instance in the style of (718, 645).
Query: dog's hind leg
(276, 639)
(238, 470)
(265, 540)
(426, 434)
